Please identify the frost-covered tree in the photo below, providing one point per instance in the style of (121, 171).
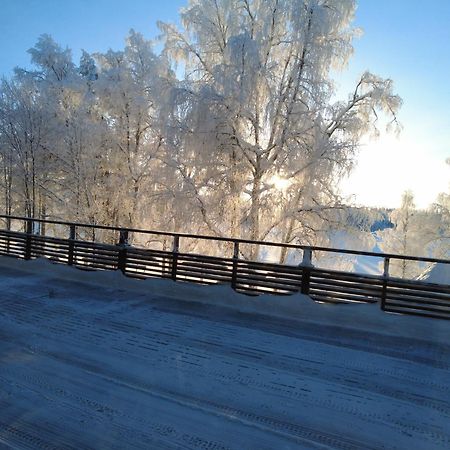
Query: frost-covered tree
(416, 233)
(84, 143)
(257, 140)
(247, 141)
(131, 88)
(440, 210)
(404, 238)
(24, 135)
(63, 93)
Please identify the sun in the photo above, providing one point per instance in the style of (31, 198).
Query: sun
(280, 183)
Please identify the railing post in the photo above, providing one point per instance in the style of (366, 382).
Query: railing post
(122, 257)
(385, 281)
(71, 256)
(175, 249)
(306, 265)
(29, 231)
(235, 265)
(8, 239)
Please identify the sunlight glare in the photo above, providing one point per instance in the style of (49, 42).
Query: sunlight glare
(389, 166)
(280, 183)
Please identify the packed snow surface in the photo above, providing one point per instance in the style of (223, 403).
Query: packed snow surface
(94, 360)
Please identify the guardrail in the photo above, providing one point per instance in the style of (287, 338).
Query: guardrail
(246, 276)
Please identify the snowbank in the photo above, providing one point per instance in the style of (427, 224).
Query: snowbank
(297, 307)
(437, 273)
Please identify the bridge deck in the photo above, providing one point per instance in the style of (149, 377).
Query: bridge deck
(94, 367)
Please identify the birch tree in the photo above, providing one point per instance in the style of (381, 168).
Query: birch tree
(24, 134)
(256, 124)
(417, 233)
(130, 87)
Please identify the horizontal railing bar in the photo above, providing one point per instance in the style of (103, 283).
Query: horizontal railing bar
(261, 289)
(337, 301)
(189, 257)
(150, 259)
(390, 293)
(395, 283)
(18, 244)
(418, 300)
(47, 251)
(200, 271)
(148, 251)
(203, 282)
(317, 274)
(417, 313)
(155, 262)
(99, 258)
(196, 257)
(39, 238)
(147, 271)
(420, 307)
(342, 295)
(269, 268)
(232, 240)
(12, 238)
(148, 264)
(202, 275)
(256, 279)
(95, 245)
(51, 245)
(279, 277)
(204, 266)
(96, 251)
(350, 289)
(94, 265)
(18, 253)
(347, 283)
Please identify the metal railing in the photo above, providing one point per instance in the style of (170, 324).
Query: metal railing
(246, 276)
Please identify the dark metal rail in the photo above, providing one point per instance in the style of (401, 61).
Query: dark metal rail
(225, 239)
(250, 277)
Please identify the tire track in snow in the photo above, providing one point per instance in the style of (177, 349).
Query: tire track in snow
(244, 358)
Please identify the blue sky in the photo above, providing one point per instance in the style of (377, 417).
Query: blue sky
(406, 40)
(92, 25)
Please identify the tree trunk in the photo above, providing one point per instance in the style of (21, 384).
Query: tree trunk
(255, 210)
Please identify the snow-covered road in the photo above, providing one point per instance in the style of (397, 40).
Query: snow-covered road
(84, 366)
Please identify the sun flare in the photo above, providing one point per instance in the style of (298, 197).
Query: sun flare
(279, 183)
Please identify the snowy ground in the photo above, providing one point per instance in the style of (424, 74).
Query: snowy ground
(128, 364)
